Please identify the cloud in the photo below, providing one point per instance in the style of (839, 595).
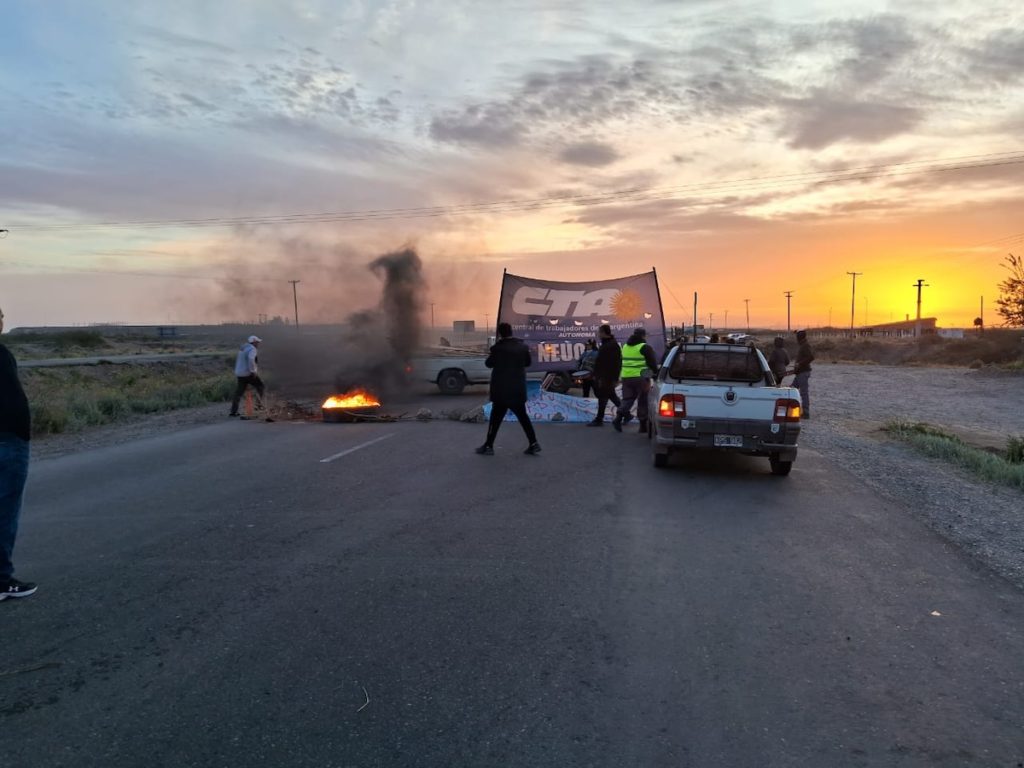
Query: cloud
(1000, 57)
(583, 92)
(823, 119)
(589, 153)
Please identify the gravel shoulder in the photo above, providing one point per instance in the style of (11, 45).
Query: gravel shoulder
(851, 403)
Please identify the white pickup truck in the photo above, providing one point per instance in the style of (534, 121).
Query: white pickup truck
(451, 369)
(722, 397)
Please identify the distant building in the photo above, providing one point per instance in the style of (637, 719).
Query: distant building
(900, 328)
(464, 326)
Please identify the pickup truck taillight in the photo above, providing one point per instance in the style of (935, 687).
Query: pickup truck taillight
(672, 406)
(787, 410)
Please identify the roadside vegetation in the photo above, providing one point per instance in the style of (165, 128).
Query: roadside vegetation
(85, 342)
(997, 348)
(71, 399)
(1006, 467)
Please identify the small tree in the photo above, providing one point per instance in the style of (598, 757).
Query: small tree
(979, 324)
(1010, 303)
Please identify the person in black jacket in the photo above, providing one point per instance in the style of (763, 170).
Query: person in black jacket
(508, 361)
(15, 432)
(606, 373)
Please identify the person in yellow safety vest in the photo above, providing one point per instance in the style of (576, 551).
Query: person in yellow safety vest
(638, 366)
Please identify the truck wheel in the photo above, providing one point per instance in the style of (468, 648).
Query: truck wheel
(779, 467)
(451, 381)
(561, 384)
(661, 460)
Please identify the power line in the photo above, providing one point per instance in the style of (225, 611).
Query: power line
(635, 194)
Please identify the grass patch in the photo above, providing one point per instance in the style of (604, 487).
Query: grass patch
(72, 399)
(941, 444)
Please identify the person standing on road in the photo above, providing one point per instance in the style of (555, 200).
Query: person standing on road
(606, 373)
(587, 361)
(638, 366)
(246, 367)
(802, 369)
(778, 360)
(15, 433)
(508, 361)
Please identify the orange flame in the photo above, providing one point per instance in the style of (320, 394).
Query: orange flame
(357, 398)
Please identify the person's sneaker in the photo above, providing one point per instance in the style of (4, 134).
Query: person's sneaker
(485, 450)
(596, 423)
(617, 423)
(533, 449)
(232, 415)
(15, 588)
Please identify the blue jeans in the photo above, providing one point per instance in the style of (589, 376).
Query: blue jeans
(802, 381)
(13, 473)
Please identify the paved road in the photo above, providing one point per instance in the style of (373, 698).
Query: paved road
(223, 596)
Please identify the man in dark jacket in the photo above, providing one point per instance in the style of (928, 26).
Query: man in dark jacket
(15, 432)
(606, 373)
(778, 361)
(508, 362)
(638, 366)
(802, 369)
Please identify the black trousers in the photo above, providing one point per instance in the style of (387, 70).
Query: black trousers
(243, 382)
(605, 391)
(498, 411)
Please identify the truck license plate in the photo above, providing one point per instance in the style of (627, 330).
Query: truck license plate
(728, 441)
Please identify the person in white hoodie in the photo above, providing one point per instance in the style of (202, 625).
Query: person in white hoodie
(246, 367)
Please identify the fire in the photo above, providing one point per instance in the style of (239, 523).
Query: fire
(357, 398)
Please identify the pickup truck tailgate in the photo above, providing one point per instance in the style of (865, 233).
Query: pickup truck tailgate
(737, 417)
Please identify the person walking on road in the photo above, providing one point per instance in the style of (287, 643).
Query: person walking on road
(778, 360)
(246, 368)
(508, 360)
(15, 433)
(606, 373)
(802, 369)
(638, 366)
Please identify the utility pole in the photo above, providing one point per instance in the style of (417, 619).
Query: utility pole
(917, 326)
(695, 315)
(431, 315)
(789, 295)
(711, 321)
(295, 298)
(853, 298)
(726, 321)
(487, 324)
(747, 302)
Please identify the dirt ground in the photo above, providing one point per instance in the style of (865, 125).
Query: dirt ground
(982, 406)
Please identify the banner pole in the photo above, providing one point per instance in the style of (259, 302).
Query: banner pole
(661, 308)
(501, 298)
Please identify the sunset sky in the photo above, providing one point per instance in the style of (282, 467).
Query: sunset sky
(742, 148)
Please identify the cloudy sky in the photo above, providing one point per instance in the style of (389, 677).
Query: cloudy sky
(744, 149)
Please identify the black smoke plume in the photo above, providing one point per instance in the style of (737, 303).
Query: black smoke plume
(373, 348)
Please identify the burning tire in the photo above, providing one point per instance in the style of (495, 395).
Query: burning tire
(451, 381)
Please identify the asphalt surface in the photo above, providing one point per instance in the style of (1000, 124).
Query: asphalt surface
(298, 594)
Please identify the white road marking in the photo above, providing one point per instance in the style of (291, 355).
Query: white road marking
(358, 447)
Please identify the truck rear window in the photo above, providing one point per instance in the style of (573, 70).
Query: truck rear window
(716, 365)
